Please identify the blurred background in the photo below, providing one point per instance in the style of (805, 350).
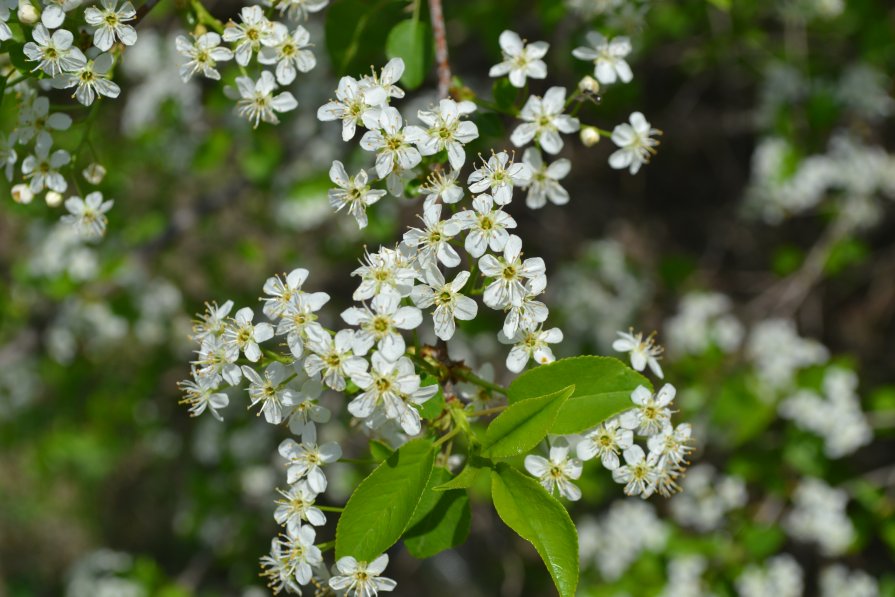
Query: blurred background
(759, 244)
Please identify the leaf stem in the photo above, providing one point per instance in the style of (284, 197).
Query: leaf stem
(488, 411)
(447, 436)
(467, 375)
(329, 508)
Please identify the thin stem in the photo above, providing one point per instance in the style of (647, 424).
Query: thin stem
(467, 375)
(488, 411)
(441, 48)
(329, 508)
(326, 545)
(205, 17)
(447, 436)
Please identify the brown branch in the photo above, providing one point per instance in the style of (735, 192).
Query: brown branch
(441, 48)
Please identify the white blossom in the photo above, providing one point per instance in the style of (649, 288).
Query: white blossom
(442, 186)
(351, 106)
(217, 360)
(297, 9)
(54, 53)
(258, 102)
(35, 121)
(385, 270)
(352, 193)
(90, 81)
(449, 303)
(380, 88)
(380, 324)
(297, 506)
(545, 179)
(53, 14)
(608, 56)
(88, 215)
(306, 459)
(385, 386)
(635, 143)
(510, 273)
(544, 120)
(270, 391)
(447, 132)
(520, 60)
(203, 53)
(557, 472)
(289, 52)
(332, 358)
(393, 143)
(111, 22)
(201, 394)
(486, 226)
(606, 442)
(299, 321)
(253, 31)
(362, 579)
(500, 175)
(432, 242)
(642, 351)
(245, 335)
(638, 474)
(651, 414)
(530, 344)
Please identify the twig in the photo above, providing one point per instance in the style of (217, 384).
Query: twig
(144, 10)
(441, 48)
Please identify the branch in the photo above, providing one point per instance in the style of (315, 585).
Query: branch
(144, 10)
(441, 48)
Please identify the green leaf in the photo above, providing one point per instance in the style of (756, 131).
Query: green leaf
(441, 520)
(524, 424)
(603, 387)
(381, 507)
(540, 519)
(379, 450)
(504, 94)
(356, 32)
(464, 480)
(411, 40)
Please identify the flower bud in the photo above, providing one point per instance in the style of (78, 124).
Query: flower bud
(590, 136)
(21, 193)
(27, 13)
(53, 198)
(589, 85)
(94, 173)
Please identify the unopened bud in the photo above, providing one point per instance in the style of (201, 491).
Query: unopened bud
(27, 13)
(589, 85)
(53, 198)
(21, 193)
(590, 136)
(94, 173)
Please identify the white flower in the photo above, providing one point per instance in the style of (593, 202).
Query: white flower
(530, 344)
(500, 175)
(281, 292)
(90, 81)
(94, 173)
(442, 186)
(111, 22)
(270, 391)
(638, 474)
(297, 9)
(447, 132)
(635, 142)
(204, 53)
(307, 410)
(42, 169)
(520, 60)
(353, 193)
(212, 322)
(5, 31)
(381, 324)
(257, 100)
(245, 335)
(35, 120)
(671, 443)
(351, 106)
(558, 472)
(302, 553)
(510, 273)
(385, 385)
(8, 154)
(306, 459)
(53, 14)
(88, 215)
(432, 243)
(331, 357)
(449, 303)
(606, 441)
(278, 569)
(643, 351)
(487, 226)
(21, 193)
(526, 315)
(384, 270)
(652, 413)
(253, 31)
(360, 578)
(379, 88)
(55, 53)
(289, 52)
(217, 360)
(201, 394)
(392, 143)
(608, 56)
(544, 120)
(545, 179)
(299, 320)
(298, 506)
